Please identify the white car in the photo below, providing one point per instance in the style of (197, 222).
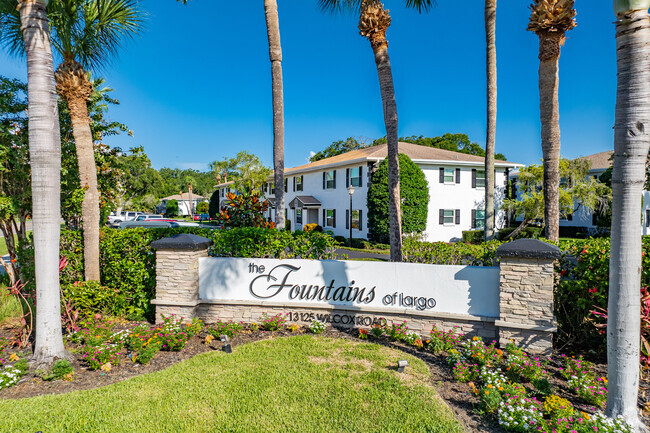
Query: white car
(149, 217)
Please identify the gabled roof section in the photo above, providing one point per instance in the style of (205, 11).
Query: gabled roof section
(414, 151)
(304, 201)
(600, 161)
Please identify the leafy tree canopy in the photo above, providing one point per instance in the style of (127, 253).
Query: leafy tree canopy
(414, 192)
(454, 142)
(245, 169)
(176, 180)
(576, 190)
(337, 148)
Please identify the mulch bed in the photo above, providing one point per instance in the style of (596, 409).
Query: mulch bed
(457, 395)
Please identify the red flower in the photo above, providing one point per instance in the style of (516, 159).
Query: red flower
(593, 290)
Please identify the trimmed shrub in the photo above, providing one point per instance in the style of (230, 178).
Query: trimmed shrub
(414, 191)
(202, 207)
(128, 264)
(474, 236)
(213, 207)
(171, 209)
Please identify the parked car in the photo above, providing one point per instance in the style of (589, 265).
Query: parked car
(148, 224)
(202, 217)
(149, 217)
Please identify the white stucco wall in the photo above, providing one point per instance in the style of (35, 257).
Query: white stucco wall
(442, 196)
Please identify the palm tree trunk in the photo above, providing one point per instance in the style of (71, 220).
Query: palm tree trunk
(373, 23)
(73, 85)
(88, 179)
(275, 54)
(45, 159)
(631, 142)
(491, 57)
(549, 56)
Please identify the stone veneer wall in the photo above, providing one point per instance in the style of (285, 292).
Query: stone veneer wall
(526, 297)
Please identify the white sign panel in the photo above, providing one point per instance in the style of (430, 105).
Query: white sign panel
(470, 290)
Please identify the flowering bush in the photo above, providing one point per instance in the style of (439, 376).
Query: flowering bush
(440, 341)
(397, 332)
(377, 330)
(411, 337)
(316, 326)
(465, 372)
(520, 366)
(475, 350)
(272, 323)
(363, 334)
(11, 374)
(97, 355)
(293, 327)
(229, 328)
(592, 390)
(557, 407)
(575, 366)
(520, 414)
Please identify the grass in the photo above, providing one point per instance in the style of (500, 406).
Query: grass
(10, 309)
(365, 250)
(297, 384)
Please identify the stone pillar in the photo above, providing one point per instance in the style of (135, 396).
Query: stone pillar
(526, 295)
(177, 274)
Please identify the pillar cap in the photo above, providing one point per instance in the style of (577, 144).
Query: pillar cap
(529, 249)
(182, 241)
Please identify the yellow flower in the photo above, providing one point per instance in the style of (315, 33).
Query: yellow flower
(106, 367)
(489, 385)
(585, 415)
(475, 339)
(500, 388)
(487, 392)
(13, 357)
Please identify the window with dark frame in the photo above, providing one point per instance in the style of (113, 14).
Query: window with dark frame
(298, 216)
(329, 219)
(298, 182)
(329, 179)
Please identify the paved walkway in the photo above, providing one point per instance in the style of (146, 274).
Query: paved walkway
(353, 254)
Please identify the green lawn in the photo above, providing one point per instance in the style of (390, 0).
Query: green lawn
(298, 384)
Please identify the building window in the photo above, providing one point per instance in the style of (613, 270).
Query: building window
(286, 183)
(478, 219)
(329, 179)
(480, 178)
(223, 192)
(354, 177)
(298, 216)
(297, 183)
(449, 216)
(272, 188)
(647, 217)
(448, 175)
(329, 218)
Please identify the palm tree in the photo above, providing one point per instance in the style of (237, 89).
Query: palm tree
(45, 160)
(491, 66)
(631, 143)
(87, 35)
(275, 55)
(374, 21)
(550, 20)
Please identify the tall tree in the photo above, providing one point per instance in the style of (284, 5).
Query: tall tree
(491, 66)
(374, 21)
(45, 158)
(275, 54)
(87, 35)
(631, 143)
(550, 20)
(245, 169)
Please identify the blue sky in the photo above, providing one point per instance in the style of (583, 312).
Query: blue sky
(196, 86)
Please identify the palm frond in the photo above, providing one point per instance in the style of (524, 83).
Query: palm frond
(339, 6)
(11, 38)
(93, 31)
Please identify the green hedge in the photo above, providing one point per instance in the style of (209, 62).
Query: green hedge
(128, 265)
(582, 281)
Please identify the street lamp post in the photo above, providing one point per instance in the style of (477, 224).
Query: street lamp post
(350, 191)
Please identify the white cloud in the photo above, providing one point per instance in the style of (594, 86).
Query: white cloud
(311, 153)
